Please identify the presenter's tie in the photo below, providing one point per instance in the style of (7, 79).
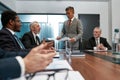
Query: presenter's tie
(19, 42)
(69, 22)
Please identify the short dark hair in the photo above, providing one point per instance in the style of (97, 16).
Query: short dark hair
(6, 16)
(70, 8)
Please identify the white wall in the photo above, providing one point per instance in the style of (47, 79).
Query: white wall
(109, 19)
(115, 14)
(10, 4)
(81, 7)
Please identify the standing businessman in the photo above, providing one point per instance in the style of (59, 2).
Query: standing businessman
(72, 28)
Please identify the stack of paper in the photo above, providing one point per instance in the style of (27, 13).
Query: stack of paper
(56, 64)
(65, 39)
(77, 53)
(59, 64)
(57, 55)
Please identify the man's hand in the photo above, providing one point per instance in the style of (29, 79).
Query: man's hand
(47, 45)
(58, 38)
(72, 39)
(101, 47)
(38, 59)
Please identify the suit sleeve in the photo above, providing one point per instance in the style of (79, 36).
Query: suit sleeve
(106, 44)
(7, 54)
(63, 31)
(9, 68)
(27, 41)
(89, 45)
(79, 30)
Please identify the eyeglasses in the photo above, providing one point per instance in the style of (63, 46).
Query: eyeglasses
(50, 74)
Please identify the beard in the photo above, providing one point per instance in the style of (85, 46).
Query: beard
(16, 28)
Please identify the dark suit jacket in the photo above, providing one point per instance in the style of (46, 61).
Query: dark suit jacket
(9, 68)
(28, 40)
(7, 54)
(7, 40)
(91, 43)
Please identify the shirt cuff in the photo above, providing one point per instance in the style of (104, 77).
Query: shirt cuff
(106, 48)
(22, 65)
(75, 39)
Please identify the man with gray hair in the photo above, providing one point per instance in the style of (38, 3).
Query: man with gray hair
(97, 42)
(31, 39)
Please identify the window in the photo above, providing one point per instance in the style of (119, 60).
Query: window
(51, 25)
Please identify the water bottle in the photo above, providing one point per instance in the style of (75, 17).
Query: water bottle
(118, 48)
(68, 51)
(116, 40)
(69, 56)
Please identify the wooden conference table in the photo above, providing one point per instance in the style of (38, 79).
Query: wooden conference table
(98, 66)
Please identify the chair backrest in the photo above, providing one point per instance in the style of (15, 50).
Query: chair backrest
(82, 44)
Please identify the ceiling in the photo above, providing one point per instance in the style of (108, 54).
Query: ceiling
(63, 0)
(3, 7)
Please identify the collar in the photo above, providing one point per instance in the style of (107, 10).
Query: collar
(11, 31)
(98, 38)
(34, 34)
(72, 18)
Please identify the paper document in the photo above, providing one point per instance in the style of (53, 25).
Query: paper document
(97, 50)
(57, 55)
(57, 64)
(72, 75)
(75, 75)
(77, 53)
(51, 39)
(65, 39)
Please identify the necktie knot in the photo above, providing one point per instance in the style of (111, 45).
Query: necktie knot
(97, 42)
(69, 22)
(37, 40)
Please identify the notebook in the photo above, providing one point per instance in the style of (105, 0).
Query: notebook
(77, 53)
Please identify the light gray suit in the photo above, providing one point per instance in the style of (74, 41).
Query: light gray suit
(75, 30)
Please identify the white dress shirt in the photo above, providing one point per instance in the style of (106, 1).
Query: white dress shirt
(22, 65)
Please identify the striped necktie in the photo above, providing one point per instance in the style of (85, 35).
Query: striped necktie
(19, 42)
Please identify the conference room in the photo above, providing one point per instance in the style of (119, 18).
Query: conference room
(51, 15)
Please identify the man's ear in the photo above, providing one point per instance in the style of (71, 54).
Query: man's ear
(11, 22)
